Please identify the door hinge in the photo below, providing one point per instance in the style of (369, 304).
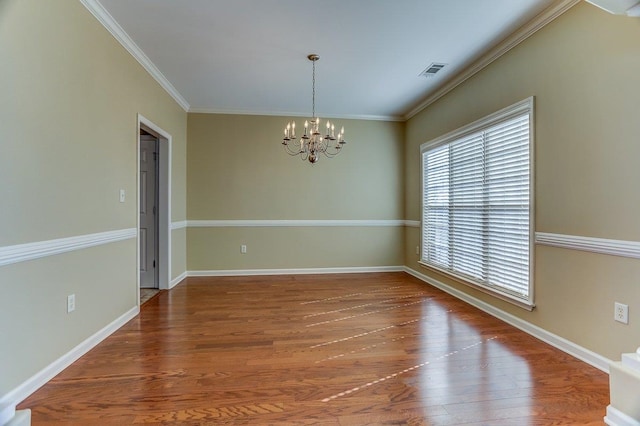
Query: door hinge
(155, 156)
(154, 263)
(154, 209)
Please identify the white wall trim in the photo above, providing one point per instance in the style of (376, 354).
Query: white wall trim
(178, 225)
(616, 417)
(299, 271)
(174, 282)
(554, 340)
(105, 18)
(21, 418)
(520, 35)
(20, 393)
(197, 110)
(596, 245)
(7, 412)
(292, 223)
(29, 251)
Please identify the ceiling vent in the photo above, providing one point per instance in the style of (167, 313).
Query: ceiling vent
(432, 69)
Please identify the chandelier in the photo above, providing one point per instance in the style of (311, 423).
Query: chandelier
(312, 143)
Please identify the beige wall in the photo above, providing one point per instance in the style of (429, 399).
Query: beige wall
(237, 169)
(294, 247)
(70, 95)
(584, 71)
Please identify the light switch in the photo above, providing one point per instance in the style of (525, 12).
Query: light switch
(122, 195)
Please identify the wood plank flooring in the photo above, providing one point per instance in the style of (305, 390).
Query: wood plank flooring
(351, 349)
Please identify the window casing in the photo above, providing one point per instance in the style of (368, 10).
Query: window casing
(477, 204)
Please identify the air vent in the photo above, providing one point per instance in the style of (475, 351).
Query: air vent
(432, 69)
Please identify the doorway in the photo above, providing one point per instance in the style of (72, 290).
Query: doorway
(149, 226)
(154, 207)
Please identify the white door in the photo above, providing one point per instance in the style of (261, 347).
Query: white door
(148, 211)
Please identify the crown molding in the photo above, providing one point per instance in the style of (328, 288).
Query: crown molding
(105, 18)
(297, 114)
(618, 7)
(513, 40)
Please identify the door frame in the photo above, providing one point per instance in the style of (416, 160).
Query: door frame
(164, 202)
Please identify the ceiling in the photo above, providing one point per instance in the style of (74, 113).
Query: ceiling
(250, 56)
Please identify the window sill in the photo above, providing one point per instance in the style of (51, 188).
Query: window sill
(524, 304)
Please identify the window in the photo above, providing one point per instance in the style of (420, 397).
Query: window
(476, 203)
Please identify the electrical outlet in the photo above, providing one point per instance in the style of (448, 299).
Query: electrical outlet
(418, 250)
(71, 303)
(243, 249)
(122, 195)
(621, 313)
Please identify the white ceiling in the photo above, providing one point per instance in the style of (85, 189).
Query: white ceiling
(250, 56)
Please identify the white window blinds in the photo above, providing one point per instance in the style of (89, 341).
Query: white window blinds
(476, 220)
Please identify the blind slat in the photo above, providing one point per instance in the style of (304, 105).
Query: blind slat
(476, 195)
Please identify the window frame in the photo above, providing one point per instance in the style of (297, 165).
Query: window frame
(523, 107)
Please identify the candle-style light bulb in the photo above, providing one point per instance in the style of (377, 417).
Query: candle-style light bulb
(306, 124)
(333, 131)
(293, 129)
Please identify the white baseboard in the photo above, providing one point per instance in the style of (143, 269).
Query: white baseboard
(7, 412)
(299, 271)
(616, 417)
(174, 282)
(554, 340)
(20, 393)
(21, 418)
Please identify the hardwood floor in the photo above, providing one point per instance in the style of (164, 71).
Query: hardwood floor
(147, 294)
(352, 349)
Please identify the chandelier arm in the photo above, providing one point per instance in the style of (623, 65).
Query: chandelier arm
(333, 150)
(330, 154)
(290, 151)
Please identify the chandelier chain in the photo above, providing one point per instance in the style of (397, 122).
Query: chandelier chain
(313, 101)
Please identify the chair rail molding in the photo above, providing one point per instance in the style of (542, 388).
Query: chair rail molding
(294, 223)
(596, 245)
(23, 252)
